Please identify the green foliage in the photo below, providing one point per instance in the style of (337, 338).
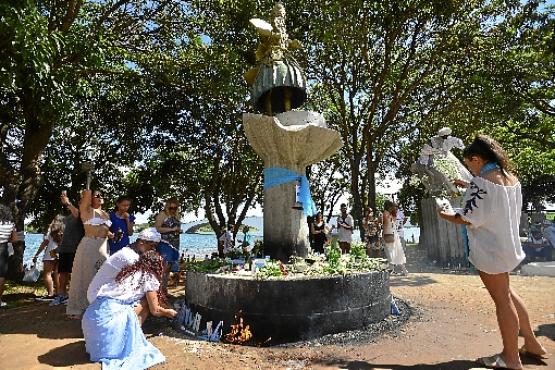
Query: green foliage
(270, 269)
(358, 250)
(333, 254)
(209, 266)
(258, 248)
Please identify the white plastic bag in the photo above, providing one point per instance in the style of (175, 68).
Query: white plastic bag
(10, 250)
(32, 274)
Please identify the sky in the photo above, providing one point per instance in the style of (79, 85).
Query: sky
(387, 187)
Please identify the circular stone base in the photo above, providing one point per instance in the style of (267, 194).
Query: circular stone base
(294, 308)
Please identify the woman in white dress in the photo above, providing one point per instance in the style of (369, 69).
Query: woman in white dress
(91, 252)
(491, 212)
(392, 242)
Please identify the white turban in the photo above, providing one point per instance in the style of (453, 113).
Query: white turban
(444, 131)
(150, 235)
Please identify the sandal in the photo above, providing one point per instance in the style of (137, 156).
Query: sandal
(522, 351)
(493, 362)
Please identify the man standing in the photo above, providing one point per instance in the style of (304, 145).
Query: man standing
(345, 225)
(147, 240)
(73, 233)
(227, 243)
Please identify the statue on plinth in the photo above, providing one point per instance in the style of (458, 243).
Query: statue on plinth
(437, 167)
(277, 82)
(287, 140)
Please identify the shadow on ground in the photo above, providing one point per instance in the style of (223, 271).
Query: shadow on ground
(67, 355)
(546, 330)
(449, 365)
(411, 280)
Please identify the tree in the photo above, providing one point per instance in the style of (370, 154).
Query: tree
(504, 84)
(388, 75)
(58, 59)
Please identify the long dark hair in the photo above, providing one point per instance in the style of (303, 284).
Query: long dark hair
(120, 199)
(6, 216)
(149, 262)
(490, 150)
(390, 207)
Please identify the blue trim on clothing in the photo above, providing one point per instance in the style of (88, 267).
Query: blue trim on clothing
(490, 166)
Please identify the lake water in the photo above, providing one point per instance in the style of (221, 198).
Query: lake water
(191, 244)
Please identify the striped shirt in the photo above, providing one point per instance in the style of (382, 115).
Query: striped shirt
(5, 232)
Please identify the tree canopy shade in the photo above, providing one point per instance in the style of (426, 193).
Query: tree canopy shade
(156, 89)
(87, 74)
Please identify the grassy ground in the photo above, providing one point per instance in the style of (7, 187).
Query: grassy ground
(19, 294)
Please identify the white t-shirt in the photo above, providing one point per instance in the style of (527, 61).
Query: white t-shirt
(50, 247)
(345, 235)
(227, 239)
(110, 269)
(132, 288)
(494, 214)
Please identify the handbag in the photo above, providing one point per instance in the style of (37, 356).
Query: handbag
(32, 274)
(388, 238)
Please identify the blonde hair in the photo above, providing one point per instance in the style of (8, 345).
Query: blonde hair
(169, 202)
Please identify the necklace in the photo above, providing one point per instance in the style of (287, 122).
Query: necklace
(490, 166)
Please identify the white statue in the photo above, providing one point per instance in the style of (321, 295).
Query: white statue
(437, 167)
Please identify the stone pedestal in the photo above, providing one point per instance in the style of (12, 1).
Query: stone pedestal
(291, 308)
(291, 140)
(443, 240)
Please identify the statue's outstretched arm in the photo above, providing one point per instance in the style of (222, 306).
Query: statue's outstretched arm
(264, 28)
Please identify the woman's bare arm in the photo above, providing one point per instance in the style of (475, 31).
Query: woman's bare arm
(155, 308)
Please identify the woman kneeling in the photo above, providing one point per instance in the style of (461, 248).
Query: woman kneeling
(113, 334)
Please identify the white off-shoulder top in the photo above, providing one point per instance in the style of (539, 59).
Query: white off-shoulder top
(494, 214)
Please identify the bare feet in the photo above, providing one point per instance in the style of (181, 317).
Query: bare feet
(536, 351)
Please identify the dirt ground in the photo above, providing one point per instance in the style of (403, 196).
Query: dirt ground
(454, 322)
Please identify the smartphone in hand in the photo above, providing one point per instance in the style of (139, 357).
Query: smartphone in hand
(443, 204)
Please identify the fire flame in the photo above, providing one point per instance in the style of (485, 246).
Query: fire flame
(240, 333)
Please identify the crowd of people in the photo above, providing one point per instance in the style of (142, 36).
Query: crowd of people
(115, 284)
(383, 234)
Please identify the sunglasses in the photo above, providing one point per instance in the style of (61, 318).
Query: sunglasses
(172, 208)
(98, 196)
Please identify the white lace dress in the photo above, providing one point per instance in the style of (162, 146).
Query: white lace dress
(393, 251)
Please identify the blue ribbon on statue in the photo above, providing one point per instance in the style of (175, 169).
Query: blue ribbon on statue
(276, 176)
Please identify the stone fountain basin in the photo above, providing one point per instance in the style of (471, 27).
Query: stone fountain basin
(294, 308)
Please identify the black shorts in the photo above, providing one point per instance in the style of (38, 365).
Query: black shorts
(3, 260)
(65, 262)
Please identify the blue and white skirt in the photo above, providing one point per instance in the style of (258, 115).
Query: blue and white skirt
(113, 336)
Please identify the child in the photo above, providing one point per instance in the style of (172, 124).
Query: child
(50, 259)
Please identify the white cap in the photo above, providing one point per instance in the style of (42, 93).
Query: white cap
(150, 235)
(444, 131)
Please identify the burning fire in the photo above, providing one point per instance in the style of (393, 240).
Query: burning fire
(240, 332)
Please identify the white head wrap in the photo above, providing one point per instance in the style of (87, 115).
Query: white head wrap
(444, 131)
(150, 235)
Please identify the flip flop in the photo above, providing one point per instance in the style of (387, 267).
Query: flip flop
(525, 353)
(493, 362)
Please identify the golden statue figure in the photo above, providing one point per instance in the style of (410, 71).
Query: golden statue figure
(277, 83)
